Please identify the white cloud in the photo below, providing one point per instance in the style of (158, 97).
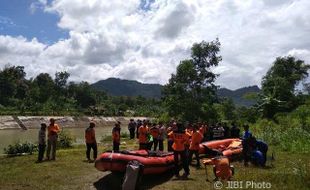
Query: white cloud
(117, 39)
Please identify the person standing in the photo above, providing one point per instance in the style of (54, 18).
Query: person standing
(91, 143)
(154, 130)
(161, 136)
(194, 145)
(53, 130)
(132, 128)
(116, 137)
(138, 125)
(171, 128)
(180, 139)
(234, 131)
(226, 131)
(143, 136)
(247, 133)
(218, 132)
(42, 142)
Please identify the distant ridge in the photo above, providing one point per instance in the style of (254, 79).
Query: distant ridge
(238, 95)
(121, 87)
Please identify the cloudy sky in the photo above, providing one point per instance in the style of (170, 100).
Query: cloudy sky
(145, 40)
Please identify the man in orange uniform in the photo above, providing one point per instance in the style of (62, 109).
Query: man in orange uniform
(222, 168)
(143, 133)
(194, 145)
(116, 137)
(154, 130)
(52, 134)
(90, 139)
(180, 138)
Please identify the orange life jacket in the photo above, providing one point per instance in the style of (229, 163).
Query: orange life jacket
(154, 132)
(90, 136)
(143, 131)
(195, 141)
(222, 168)
(179, 140)
(52, 130)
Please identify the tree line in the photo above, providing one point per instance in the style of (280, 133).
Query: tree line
(44, 95)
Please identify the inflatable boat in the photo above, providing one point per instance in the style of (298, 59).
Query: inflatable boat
(154, 162)
(226, 147)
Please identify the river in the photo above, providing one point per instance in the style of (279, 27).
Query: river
(11, 136)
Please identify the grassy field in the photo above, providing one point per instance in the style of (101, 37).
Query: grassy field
(71, 171)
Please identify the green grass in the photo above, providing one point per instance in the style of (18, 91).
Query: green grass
(70, 171)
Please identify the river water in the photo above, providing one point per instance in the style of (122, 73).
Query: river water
(11, 136)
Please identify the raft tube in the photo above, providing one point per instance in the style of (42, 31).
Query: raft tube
(228, 147)
(154, 162)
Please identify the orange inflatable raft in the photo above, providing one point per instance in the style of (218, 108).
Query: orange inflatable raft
(154, 162)
(228, 147)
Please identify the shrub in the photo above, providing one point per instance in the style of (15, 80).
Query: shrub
(288, 135)
(20, 148)
(65, 139)
(106, 138)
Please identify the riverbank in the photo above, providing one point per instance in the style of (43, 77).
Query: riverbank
(13, 122)
(71, 171)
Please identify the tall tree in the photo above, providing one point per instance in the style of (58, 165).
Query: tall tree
(193, 84)
(12, 84)
(278, 85)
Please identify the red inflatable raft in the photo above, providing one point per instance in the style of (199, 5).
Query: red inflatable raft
(228, 147)
(154, 162)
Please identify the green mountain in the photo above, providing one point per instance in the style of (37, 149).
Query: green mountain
(120, 87)
(238, 95)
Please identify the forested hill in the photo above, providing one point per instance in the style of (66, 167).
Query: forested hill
(120, 87)
(238, 95)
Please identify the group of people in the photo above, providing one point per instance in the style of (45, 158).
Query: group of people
(182, 140)
(52, 135)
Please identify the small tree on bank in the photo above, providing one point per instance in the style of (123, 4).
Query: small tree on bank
(192, 88)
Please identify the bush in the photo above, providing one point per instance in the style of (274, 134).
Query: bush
(65, 139)
(20, 148)
(106, 138)
(288, 135)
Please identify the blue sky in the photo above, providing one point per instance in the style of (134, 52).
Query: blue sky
(18, 19)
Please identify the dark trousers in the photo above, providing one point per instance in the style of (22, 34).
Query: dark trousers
(183, 160)
(161, 145)
(132, 133)
(170, 143)
(143, 146)
(51, 146)
(191, 152)
(115, 146)
(41, 152)
(155, 142)
(90, 146)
